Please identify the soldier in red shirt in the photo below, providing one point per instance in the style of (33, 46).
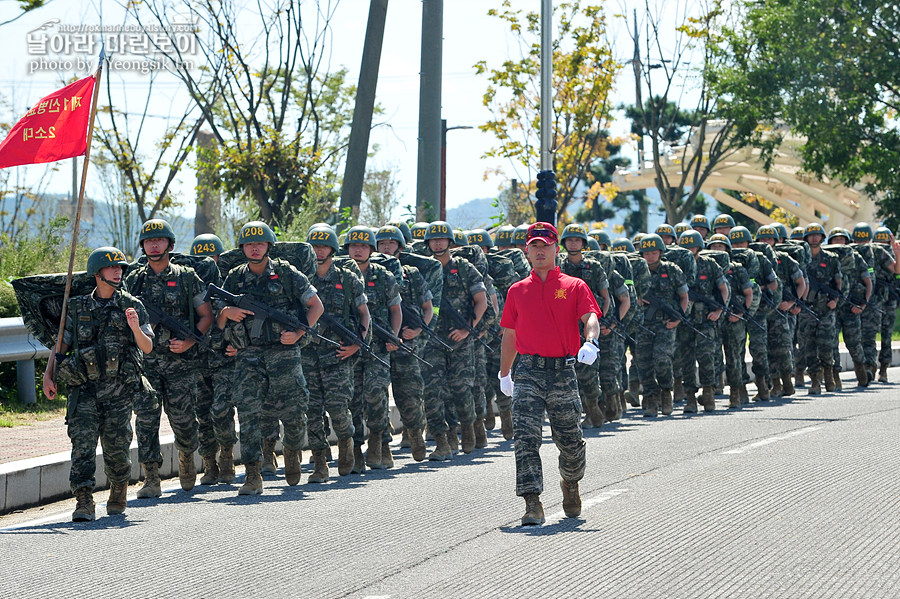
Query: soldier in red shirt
(540, 322)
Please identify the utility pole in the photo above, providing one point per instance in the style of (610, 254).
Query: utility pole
(428, 179)
(358, 150)
(638, 102)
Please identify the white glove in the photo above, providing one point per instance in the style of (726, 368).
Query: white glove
(588, 353)
(506, 384)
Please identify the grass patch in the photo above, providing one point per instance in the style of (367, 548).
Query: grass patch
(14, 413)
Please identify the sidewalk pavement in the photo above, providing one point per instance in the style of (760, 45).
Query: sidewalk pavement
(34, 460)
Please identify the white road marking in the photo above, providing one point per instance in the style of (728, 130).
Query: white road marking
(770, 440)
(585, 504)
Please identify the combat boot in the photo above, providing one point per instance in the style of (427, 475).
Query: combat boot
(506, 424)
(777, 389)
(210, 470)
(742, 391)
(359, 462)
(650, 405)
(828, 373)
(678, 392)
(571, 499)
(404, 439)
(708, 399)
(870, 368)
(690, 401)
(187, 470)
(720, 384)
(787, 384)
(734, 397)
(480, 434)
(838, 385)
(490, 421)
(320, 471)
(534, 511)
(762, 389)
(291, 466)
(665, 398)
(417, 444)
(84, 505)
(387, 458)
(623, 405)
(118, 498)
(226, 464)
(593, 415)
(345, 456)
(798, 378)
(253, 482)
(862, 376)
(152, 485)
(815, 387)
(468, 436)
(442, 450)
(882, 374)
(268, 458)
(613, 410)
(373, 451)
(453, 439)
(633, 394)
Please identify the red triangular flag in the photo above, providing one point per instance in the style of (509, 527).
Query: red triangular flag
(54, 129)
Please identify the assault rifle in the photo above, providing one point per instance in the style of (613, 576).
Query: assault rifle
(804, 307)
(414, 321)
(351, 338)
(831, 292)
(736, 308)
(710, 302)
(263, 312)
(389, 337)
(613, 319)
(460, 322)
(770, 302)
(157, 317)
(657, 305)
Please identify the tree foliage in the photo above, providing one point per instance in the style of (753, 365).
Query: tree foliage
(381, 196)
(583, 72)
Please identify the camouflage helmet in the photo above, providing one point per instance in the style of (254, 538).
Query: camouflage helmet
(666, 229)
(439, 229)
(862, 232)
(700, 220)
(797, 233)
(812, 229)
(404, 229)
(575, 231)
(601, 236)
(593, 244)
(681, 228)
(882, 235)
(782, 231)
(650, 243)
(323, 235)
(503, 235)
(690, 239)
(103, 257)
(156, 228)
(723, 220)
(207, 244)
(318, 226)
(520, 235)
(417, 231)
(839, 232)
(622, 244)
(390, 232)
(740, 234)
(460, 238)
(480, 237)
(767, 232)
(360, 234)
(719, 238)
(637, 238)
(256, 231)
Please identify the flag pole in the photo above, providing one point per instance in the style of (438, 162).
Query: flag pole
(76, 226)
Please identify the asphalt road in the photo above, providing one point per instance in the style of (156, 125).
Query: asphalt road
(791, 499)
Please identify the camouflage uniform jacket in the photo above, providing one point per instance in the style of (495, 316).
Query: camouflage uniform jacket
(382, 292)
(342, 292)
(854, 271)
(414, 290)
(588, 270)
(667, 282)
(461, 282)
(879, 261)
(709, 275)
(825, 268)
(788, 271)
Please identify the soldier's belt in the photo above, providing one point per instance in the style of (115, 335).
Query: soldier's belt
(547, 363)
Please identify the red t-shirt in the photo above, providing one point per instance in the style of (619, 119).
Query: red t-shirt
(545, 314)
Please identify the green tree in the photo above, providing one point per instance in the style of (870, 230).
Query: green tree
(583, 73)
(381, 196)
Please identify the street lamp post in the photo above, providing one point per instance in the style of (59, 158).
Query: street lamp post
(444, 128)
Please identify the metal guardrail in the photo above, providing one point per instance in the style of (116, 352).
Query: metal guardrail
(19, 346)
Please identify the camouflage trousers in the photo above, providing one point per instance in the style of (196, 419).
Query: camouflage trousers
(269, 386)
(479, 397)
(698, 353)
(608, 363)
(759, 340)
(100, 410)
(370, 393)
(631, 374)
(215, 409)
(870, 325)
(588, 378)
(655, 351)
(408, 388)
(330, 386)
(816, 340)
(848, 322)
(885, 355)
(174, 382)
(684, 361)
(450, 378)
(780, 337)
(537, 390)
(491, 382)
(734, 342)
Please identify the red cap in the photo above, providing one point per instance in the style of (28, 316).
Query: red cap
(543, 231)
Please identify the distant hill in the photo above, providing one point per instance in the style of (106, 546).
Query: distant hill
(474, 214)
